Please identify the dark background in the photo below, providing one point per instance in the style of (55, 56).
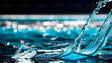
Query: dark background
(50, 6)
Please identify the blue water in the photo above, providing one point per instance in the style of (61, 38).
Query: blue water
(56, 39)
(48, 41)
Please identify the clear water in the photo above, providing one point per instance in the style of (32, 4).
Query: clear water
(56, 39)
(49, 38)
(96, 44)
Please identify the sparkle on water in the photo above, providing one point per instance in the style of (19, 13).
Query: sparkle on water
(32, 44)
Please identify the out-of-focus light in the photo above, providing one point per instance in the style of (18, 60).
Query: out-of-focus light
(71, 27)
(45, 34)
(99, 53)
(51, 17)
(38, 22)
(22, 41)
(48, 27)
(46, 23)
(8, 43)
(22, 17)
(20, 29)
(87, 29)
(33, 46)
(8, 26)
(14, 46)
(54, 38)
(22, 26)
(60, 25)
(76, 23)
(65, 29)
(8, 22)
(29, 29)
(66, 23)
(77, 28)
(92, 25)
(14, 25)
(3, 28)
(42, 29)
(15, 30)
(69, 32)
(57, 29)
(13, 17)
(53, 22)
(27, 43)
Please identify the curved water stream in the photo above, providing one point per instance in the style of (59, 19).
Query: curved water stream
(96, 45)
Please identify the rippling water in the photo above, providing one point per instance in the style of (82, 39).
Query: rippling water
(48, 38)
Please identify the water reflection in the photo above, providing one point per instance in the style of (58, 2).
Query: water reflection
(24, 61)
(48, 35)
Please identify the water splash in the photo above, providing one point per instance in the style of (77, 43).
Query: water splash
(99, 41)
(80, 53)
(102, 29)
(28, 53)
(95, 11)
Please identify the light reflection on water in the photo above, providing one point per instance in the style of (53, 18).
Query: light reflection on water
(44, 35)
(24, 61)
(87, 60)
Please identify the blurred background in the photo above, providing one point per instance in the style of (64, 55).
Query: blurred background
(50, 6)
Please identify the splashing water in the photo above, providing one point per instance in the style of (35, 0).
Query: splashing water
(95, 11)
(106, 22)
(96, 45)
(74, 51)
(59, 48)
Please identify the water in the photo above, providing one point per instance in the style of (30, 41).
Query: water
(95, 11)
(48, 40)
(56, 39)
(96, 45)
